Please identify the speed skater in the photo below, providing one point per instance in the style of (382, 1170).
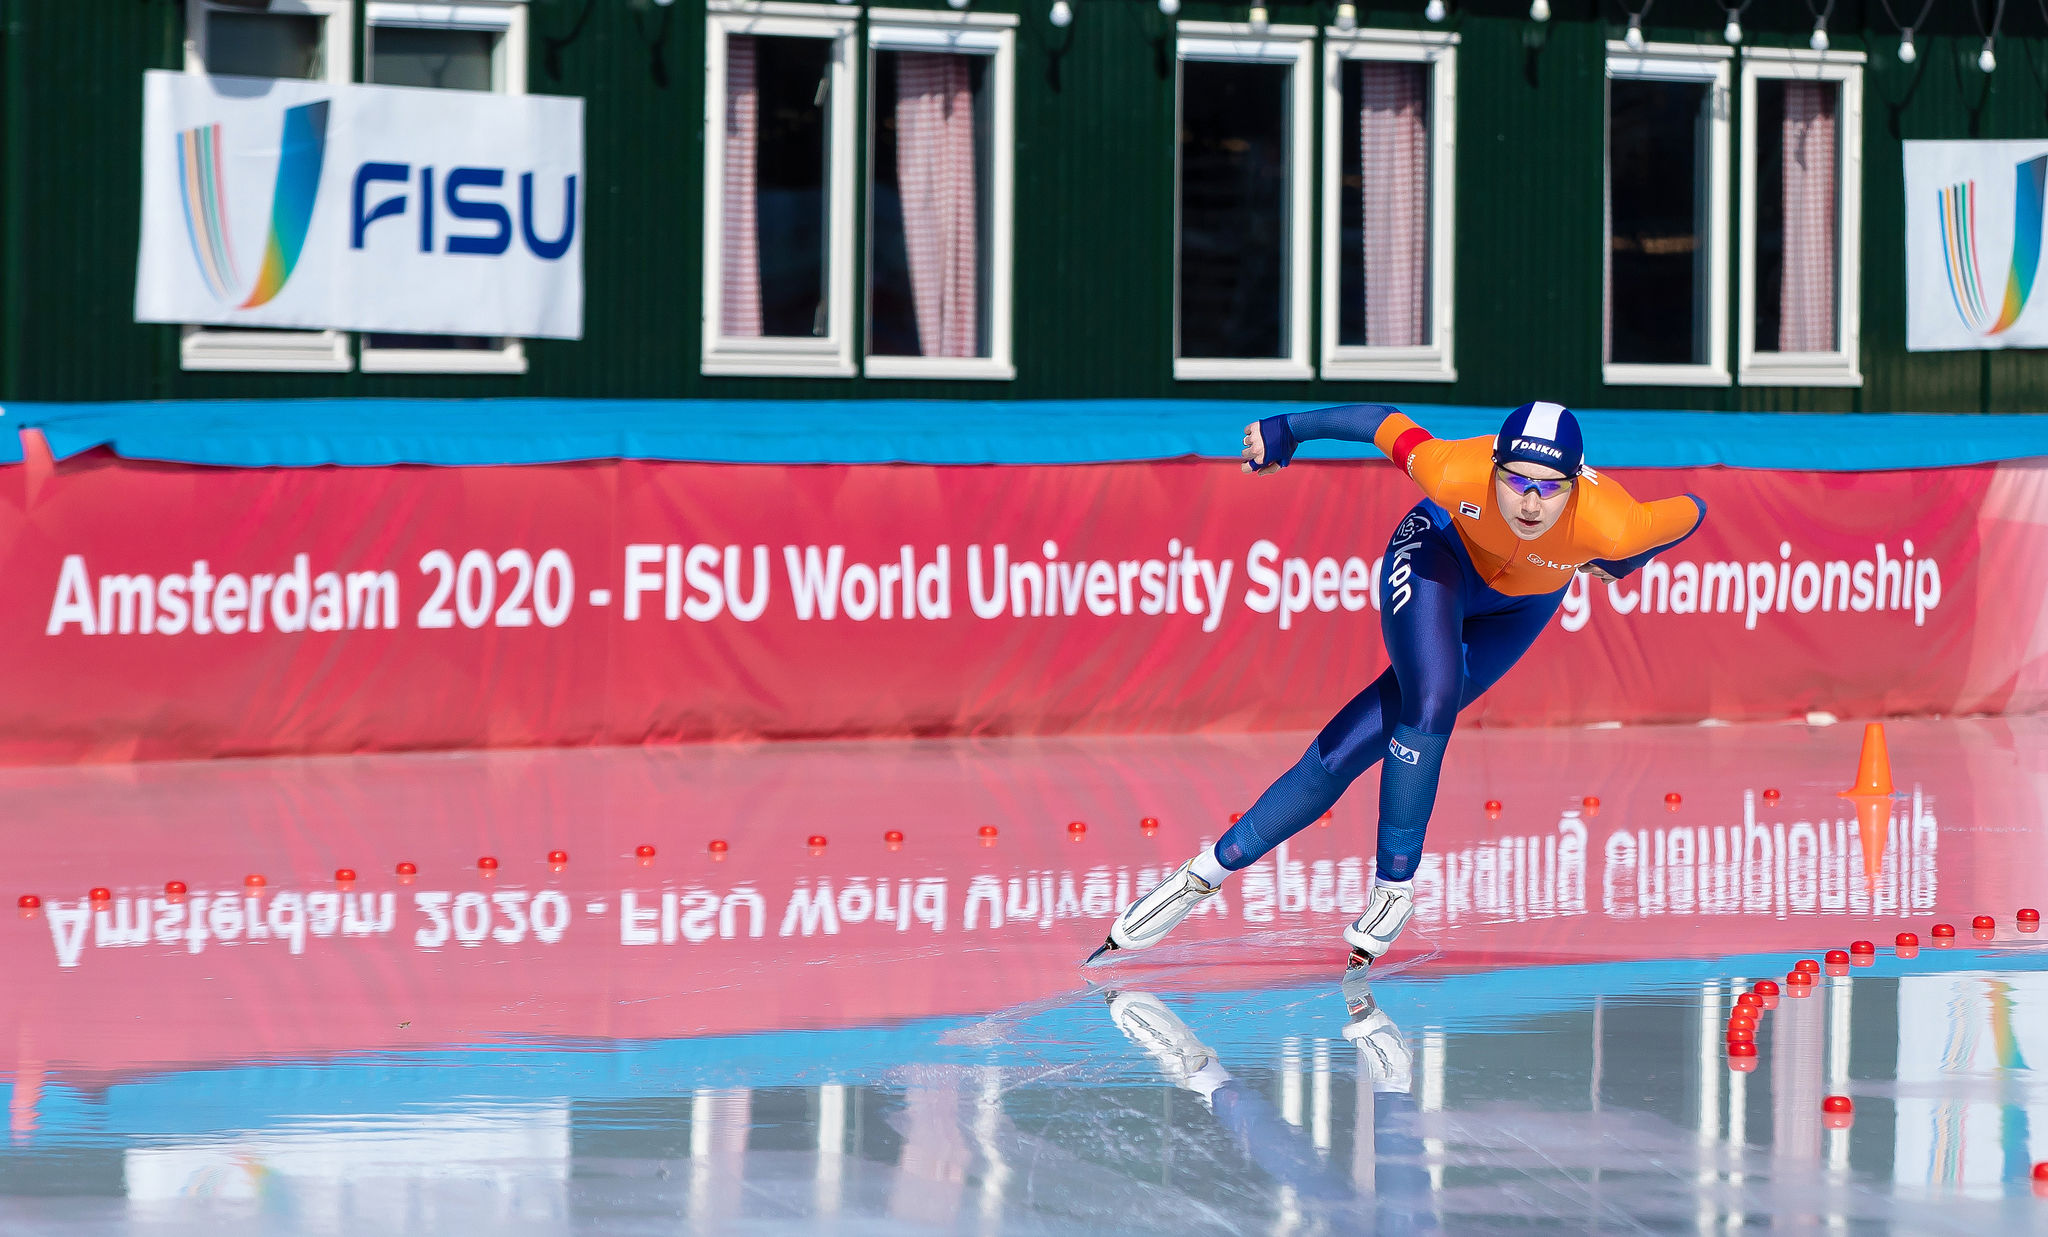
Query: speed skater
(1473, 573)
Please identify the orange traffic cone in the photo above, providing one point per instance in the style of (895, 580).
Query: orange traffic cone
(1874, 769)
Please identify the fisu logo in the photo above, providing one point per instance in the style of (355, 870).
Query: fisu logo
(204, 194)
(1959, 247)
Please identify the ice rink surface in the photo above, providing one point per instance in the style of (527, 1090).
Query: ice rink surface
(867, 1037)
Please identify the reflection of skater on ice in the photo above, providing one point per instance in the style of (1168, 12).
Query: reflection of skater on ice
(1472, 576)
(1387, 1173)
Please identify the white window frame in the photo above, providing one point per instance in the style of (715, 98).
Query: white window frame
(1431, 362)
(1289, 45)
(1842, 367)
(217, 348)
(774, 356)
(507, 19)
(986, 34)
(1677, 62)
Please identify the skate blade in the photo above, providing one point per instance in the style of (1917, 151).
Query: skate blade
(1358, 961)
(1108, 947)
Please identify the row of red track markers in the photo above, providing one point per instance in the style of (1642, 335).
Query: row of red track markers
(718, 848)
(1838, 1112)
(559, 859)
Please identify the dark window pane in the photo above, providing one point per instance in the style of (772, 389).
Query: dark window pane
(792, 171)
(439, 59)
(263, 44)
(444, 342)
(1770, 211)
(893, 327)
(1234, 145)
(1656, 186)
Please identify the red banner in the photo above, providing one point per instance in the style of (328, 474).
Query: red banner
(160, 611)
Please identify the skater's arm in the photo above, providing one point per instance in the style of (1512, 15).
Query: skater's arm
(1272, 442)
(1652, 529)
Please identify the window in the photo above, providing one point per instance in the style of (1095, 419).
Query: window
(939, 169)
(1802, 197)
(778, 176)
(1242, 202)
(1388, 144)
(306, 39)
(1667, 218)
(443, 46)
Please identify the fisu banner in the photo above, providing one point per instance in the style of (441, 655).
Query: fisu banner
(371, 208)
(158, 610)
(1973, 245)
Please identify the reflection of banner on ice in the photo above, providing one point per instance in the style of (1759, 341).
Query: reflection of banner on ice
(360, 207)
(1974, 217)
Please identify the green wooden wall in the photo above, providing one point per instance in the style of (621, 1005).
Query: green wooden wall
(1094, 206)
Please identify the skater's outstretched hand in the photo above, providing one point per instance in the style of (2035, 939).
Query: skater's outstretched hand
(1598, 573)
(1255, 452)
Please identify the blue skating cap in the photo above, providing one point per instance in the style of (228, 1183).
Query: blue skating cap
(1541, 433)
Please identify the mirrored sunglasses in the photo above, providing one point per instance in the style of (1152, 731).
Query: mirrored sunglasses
(1543, 487)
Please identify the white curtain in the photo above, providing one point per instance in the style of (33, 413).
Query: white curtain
(1393, 127)
(935, 163)
(740, 250)
(1806, 299)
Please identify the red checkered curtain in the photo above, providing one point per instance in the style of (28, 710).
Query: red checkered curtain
(1393, 127)
(740, 250)
(935, 175)
(1806, 305)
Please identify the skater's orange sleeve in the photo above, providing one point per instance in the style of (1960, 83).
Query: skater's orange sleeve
(1612, 525)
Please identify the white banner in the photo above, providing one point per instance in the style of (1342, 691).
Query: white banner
(1973, 245)
(365, 208)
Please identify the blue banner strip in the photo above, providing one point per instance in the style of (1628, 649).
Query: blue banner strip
(379, 432)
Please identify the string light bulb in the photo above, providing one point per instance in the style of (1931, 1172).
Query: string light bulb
(1985, 60)
(1907, 52)
(1061, 15)
(958, 4)
(1819, 41)
(1539, 10)
(1732, 32)
(1347, 17)
(1634, 37)
(1259, 18)
(1435, 11)
(1169, 7)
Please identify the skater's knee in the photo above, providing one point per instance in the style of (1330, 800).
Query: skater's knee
(1343, 761)
(1434, 709)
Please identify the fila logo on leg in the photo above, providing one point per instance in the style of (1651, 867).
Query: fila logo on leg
(1403, 753)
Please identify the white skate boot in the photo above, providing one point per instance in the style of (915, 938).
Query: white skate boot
(1381, 1050)
(1148, 920)
(1186, 1061)
(1373, 933)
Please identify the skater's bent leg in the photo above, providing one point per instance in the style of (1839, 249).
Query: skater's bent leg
(1289, 805)
(1356, 738)
(1423, 623)
(1347, 747)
